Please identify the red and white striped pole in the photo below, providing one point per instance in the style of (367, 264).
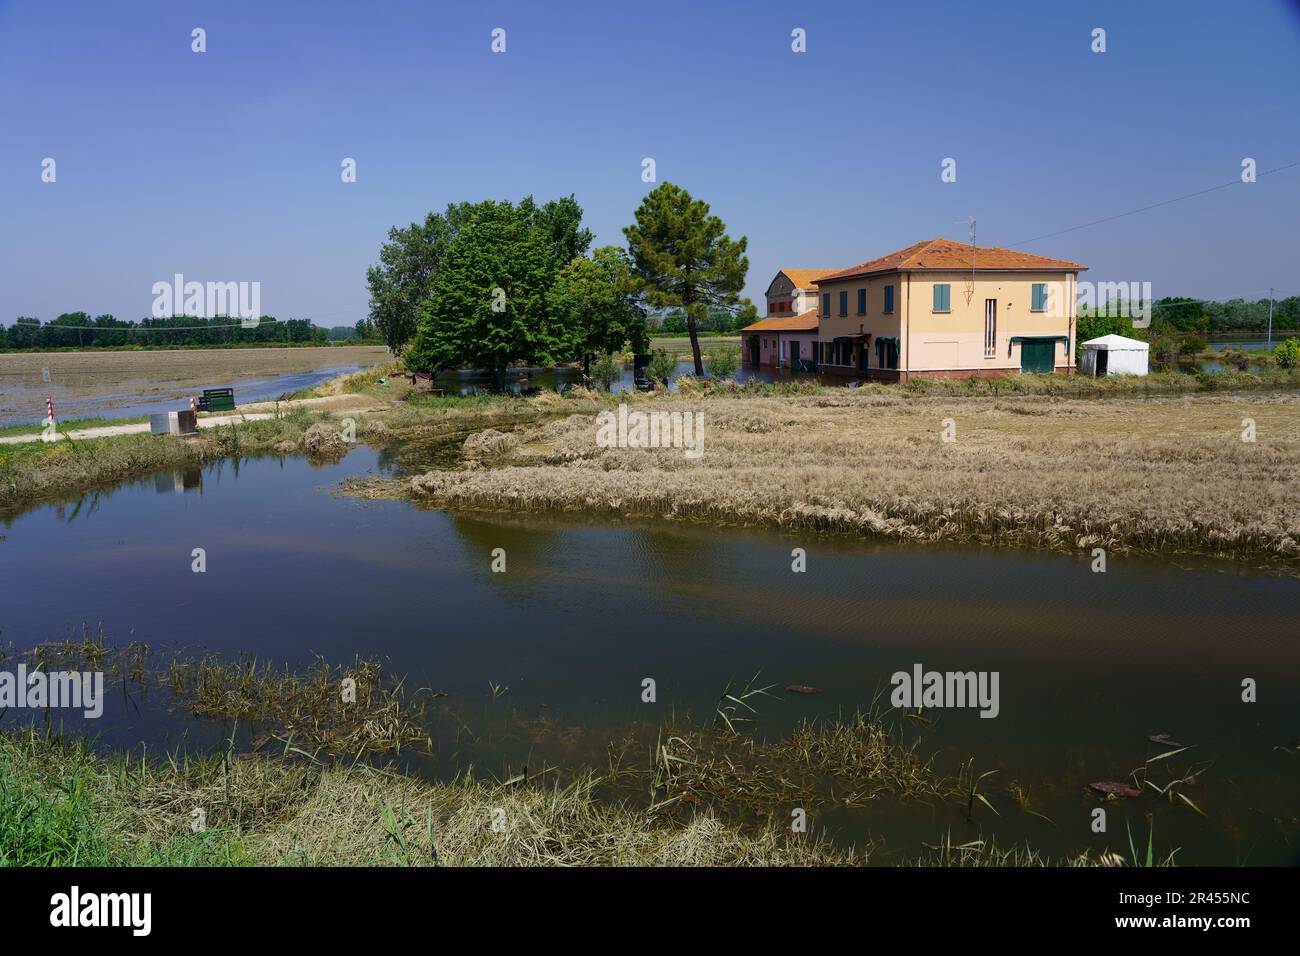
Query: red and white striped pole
(193, 407)
(49, 408)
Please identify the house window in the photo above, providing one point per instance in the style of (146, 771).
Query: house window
(844, 302)
(942, 297)
(887, 353)
(1039, 303)
(889, 298)
(826, 304)
(862, 302)
(990, 328)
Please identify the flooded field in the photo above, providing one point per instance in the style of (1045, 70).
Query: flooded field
(544, 664)
(127, 384)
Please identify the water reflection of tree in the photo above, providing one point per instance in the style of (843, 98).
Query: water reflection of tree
(533, 550)
(634, 560)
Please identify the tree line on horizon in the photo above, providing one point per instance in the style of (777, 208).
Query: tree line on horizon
(78, 330)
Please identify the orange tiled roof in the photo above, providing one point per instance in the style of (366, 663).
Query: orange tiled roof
(803, 278)
(804, 322)
(948, 256)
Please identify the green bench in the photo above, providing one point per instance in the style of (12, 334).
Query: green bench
(217, 400)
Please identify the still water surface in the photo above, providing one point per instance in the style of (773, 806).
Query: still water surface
(1090, 664)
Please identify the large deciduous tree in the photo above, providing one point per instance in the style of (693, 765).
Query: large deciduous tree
(685, 257)
(403, 281)
(408, 263)
(595, 306)
(487, 302)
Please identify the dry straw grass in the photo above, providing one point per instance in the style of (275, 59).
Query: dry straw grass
(1166, 474)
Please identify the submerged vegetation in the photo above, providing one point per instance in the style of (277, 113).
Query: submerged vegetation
(323, 711)
(297, 780)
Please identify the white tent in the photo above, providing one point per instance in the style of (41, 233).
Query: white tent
(1114, 355)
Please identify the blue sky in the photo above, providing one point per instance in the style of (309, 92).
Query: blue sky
(225, 165)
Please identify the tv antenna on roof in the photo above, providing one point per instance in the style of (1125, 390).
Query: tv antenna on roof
(970, 283)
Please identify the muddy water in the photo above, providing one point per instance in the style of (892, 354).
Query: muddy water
(1089, 664)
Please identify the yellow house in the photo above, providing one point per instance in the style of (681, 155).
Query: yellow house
(941, 308)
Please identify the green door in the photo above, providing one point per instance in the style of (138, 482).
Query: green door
(794, 354)
(1037, 356)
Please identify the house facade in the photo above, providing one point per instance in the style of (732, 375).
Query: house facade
(781, 341)
(940, 308)
(787, 336)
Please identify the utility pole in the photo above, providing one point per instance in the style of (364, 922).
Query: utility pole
(1270, 316)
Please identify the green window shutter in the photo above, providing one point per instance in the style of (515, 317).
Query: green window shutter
(942, 297)
(1040, 296)
(889, 298)
(844, 302)
(826, 303)
(862, 302)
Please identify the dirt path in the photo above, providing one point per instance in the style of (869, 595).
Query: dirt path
(245, 413)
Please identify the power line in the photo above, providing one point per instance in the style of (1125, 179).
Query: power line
(1157, 205)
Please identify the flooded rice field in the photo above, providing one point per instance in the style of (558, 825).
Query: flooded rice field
(129, 384)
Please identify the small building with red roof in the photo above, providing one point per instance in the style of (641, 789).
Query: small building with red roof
(787, 336)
